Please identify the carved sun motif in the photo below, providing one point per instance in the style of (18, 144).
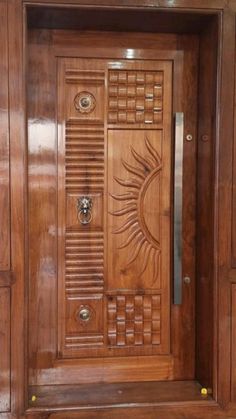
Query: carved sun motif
(140, 241)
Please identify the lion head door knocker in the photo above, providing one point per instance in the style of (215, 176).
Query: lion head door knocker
(84, 207)
(84, 102)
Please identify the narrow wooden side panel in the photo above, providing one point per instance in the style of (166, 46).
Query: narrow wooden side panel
(233, 345)
(205, 214)
(4, 145)
(233, 256)
(80, 182)
(5, 349)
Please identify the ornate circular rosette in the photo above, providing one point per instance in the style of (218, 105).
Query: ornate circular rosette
(84, 102)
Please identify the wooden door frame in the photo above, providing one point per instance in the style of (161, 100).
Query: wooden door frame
(222, 185)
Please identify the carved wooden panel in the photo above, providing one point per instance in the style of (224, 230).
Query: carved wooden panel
(85, 321)
(84, 258)
(134, 320)
(114, 268)
(135, 208)
(72, 215)
(81, 175)
(85, 95)
(135, 97)
(84, 158)
(4, 146)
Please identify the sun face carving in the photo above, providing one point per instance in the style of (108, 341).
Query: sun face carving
(141, 240)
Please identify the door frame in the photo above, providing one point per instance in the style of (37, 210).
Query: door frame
(222, 200)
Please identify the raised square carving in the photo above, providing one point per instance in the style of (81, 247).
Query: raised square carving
(135, 97)
(134, 320)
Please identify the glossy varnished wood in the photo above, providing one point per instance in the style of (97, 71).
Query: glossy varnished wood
(18, 194)
(233, 343)
(233, 261)
(5, 349)
(205, 218)
(38, 50)
(4, 146)
(42, 212)
(222, 258)
(74, 229)
(118, 394)
(183, 315)
(223, 196)
(145, 412)
(83, 18)
(182, 4)
(6, 278)
(184, 53)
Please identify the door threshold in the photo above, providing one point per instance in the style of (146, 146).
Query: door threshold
(103, 395)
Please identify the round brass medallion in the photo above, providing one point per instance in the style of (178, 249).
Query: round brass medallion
(84, 102)
(84, 314)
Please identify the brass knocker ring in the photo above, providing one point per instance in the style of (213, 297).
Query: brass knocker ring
(84, 206)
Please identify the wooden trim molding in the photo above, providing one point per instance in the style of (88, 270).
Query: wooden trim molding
(6, 278)
(5, 327)
(223, 197)
(223, 201)
(158, 4)
(5, 257)
(233, 343)
(232, 275)
(18, 193)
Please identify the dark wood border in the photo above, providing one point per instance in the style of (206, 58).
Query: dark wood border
(223, 184)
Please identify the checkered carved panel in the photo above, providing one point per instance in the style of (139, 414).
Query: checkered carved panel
(135, 97)
(134, 320)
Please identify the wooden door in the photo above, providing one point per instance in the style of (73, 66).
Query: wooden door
(100, 209)
(114, 153)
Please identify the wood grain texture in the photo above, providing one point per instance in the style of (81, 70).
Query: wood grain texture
(222, 259)
(81, 173)
(204, 411)
(4, 145)
(233, 343)
(224, 200)
(233, 261)
(185, 96)
(6, 278)
(5, 349)
(79, 177)
(118, 394)
(42, 212)
(135, 97)
(205, 216)
(82, 146)
(185, 4)
(18, 196)
(185, 58)
(110, 370)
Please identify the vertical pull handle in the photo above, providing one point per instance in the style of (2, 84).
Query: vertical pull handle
(178, 203)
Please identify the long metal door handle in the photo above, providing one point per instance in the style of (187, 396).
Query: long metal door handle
(178, 203)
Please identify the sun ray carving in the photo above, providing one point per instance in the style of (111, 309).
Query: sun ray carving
(139, 241)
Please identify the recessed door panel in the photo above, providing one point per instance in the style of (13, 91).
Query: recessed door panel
(135, 206)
